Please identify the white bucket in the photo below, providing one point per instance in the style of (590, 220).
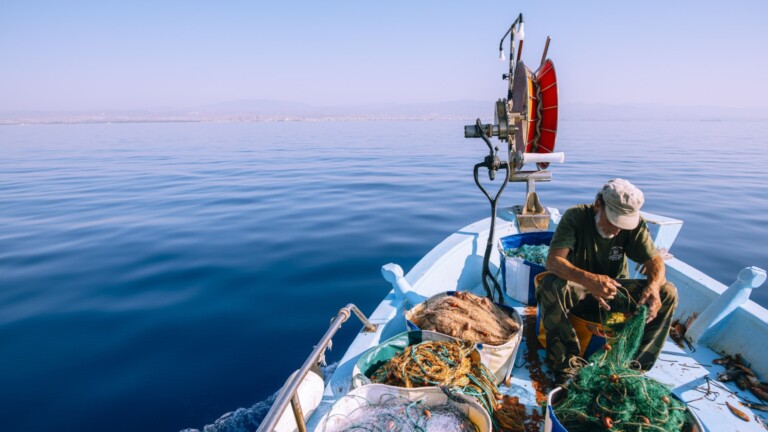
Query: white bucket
(552, 424)
(374, 393)
(499, 359)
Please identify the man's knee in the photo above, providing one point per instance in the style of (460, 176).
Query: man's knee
(548, 288)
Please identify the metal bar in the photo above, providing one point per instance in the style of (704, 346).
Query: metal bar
(544, 54)
(298, 415)
(511, 78)
(369, 328)
(548, 87)
(289, 391)
(470, 131)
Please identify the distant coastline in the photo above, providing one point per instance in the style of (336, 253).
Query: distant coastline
(223, 119)
(282, 111)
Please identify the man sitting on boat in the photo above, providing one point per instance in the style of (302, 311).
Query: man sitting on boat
(587, 255)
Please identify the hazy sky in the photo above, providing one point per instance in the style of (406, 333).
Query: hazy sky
(86, 55)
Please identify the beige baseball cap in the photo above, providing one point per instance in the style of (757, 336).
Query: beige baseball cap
(622, 203)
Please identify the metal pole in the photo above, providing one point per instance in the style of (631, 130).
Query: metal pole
(544, 54)
(297, 413)
(289, 391)
(511, 62)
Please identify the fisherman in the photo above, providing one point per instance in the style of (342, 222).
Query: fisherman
(587, 255)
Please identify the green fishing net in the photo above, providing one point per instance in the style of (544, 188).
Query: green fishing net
(536, 254)
(611, 393)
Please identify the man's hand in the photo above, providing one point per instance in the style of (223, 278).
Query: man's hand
(651, 299)
(602, 288)
(656, 271)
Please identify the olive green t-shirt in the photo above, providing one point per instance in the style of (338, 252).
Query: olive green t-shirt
(589, 251)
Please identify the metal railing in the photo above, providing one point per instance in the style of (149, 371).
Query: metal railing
(288, 394)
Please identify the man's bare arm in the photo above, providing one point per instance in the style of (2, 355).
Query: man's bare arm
(655, 271)
(601, 287)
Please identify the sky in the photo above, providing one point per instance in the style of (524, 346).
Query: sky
(115, 55)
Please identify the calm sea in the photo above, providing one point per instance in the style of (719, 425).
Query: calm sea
(157, 276)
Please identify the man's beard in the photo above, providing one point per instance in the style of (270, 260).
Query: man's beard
(600, 231)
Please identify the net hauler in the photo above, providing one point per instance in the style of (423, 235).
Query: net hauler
(526, 120)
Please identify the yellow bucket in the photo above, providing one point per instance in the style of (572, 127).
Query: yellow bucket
(592, 336)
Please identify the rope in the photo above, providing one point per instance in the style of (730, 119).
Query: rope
(611, 392)
(441, 363)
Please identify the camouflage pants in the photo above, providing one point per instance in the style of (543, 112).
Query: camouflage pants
(557, 298)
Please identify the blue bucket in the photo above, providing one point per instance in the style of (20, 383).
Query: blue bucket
(517, 274)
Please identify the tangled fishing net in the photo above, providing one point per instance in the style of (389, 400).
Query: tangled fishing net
(397, 413)
(440, 363)
(466, 316)
(449, 364)
(611, 393)
(536, 254)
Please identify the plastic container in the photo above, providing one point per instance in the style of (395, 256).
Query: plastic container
(518, 274)
(430, 396)
(592, 336)
(371, 360)
(499, 359)
(552, 424)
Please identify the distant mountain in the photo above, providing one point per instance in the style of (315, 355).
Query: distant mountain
(264, 107)
(467, 110)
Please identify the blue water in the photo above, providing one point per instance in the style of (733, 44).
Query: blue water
(156, 276)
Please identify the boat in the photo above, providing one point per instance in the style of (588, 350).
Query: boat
(713, 322)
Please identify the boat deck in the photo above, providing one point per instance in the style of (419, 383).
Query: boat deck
(455, 264)
(691, 376)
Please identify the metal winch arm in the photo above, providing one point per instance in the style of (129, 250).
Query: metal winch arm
(487, 275)
(493, 164)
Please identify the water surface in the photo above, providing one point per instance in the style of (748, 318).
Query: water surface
(156, 276)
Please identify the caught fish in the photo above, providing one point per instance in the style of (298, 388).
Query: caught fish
(730, 375)
(725, 360)
(742, 383)
(754, 406)
(739, 360)
(746, 370)
(757, 391)
(677, 333)
(737, 412)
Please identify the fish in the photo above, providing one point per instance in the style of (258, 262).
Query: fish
(757, 391)
(677, 333)
(746, 370)
(737, 412)
(754, 406)
(742, 383)
(725, 360)
(730, 375)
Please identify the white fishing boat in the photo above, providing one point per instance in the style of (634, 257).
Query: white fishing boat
(716, 320)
